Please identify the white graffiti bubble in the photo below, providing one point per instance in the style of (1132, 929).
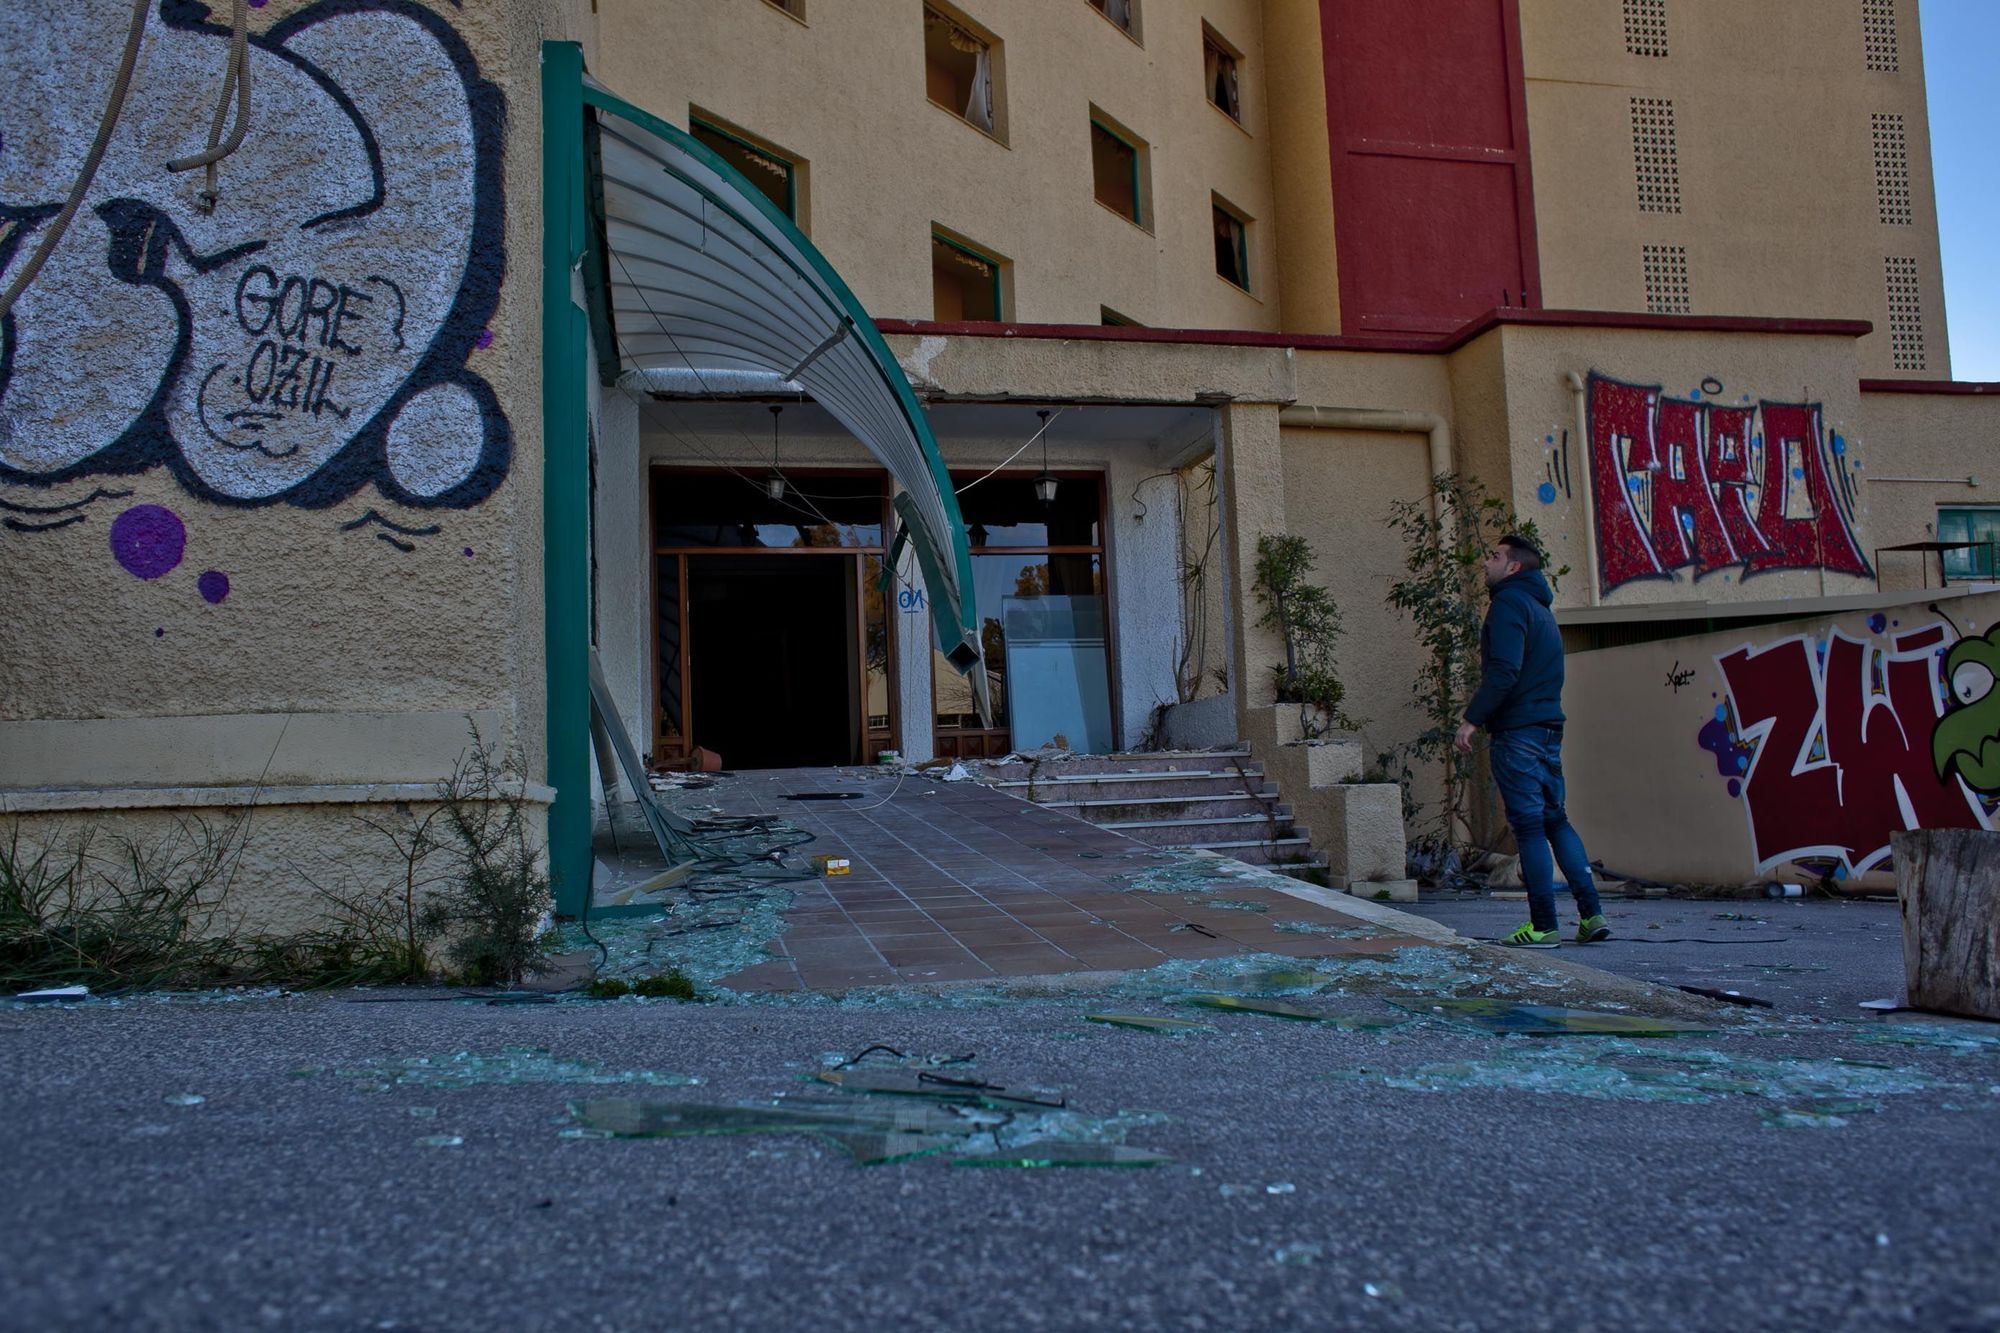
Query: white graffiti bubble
(253, 343)
(434, 442)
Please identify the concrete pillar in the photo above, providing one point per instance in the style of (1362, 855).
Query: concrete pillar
(1251, 475)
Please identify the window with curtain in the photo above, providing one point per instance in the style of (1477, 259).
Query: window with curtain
(1232, 247)
(958, 70)
(1118, 11)
(1220, 74)
(1970, 525)
(1115, 168)
(965, 285)
(774, 175)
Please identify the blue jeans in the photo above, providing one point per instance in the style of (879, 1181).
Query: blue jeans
(1527, 767)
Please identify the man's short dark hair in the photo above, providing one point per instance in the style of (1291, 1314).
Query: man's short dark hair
(1524, 551)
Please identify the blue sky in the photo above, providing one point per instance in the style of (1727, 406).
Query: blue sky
(1961, 41)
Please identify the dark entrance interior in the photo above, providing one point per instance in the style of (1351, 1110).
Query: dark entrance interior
(772, 659)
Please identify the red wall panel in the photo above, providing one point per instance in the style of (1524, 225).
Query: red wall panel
(1434, 214)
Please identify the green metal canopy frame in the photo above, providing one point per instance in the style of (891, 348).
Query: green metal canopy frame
(664, 256)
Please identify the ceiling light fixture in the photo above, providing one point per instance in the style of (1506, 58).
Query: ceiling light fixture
(774, 485)
(1045, 485)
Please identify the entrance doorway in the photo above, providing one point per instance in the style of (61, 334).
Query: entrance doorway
(771, 660)
(772, 640)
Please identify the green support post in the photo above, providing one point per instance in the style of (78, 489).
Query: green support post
(565, 476)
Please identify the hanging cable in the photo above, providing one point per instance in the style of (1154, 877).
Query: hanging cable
(1049, 421)
(235, 79)
(121, 83)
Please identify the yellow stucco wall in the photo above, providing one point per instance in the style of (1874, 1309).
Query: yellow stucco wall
(1943, 443)
(844, 91)
(1772, 107)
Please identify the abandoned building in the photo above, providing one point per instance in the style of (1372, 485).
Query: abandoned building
(906, 376)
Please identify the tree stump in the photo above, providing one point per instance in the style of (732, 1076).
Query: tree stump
(1948, 881)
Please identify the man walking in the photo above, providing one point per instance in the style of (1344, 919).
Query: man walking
(1520, 704)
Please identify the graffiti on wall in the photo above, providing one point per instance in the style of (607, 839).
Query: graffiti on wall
(1697, 483)
(1834, 744)
(311, 335)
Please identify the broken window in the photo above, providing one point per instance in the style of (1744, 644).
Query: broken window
(1118, 11)
(774, 175)
(965, 285)
(1232, 247)
(1970, 525)
(1114, 165)
(1219, 73)
(959, 69)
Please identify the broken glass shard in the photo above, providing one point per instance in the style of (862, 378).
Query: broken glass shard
(184, 1099)
(1247, 1005)
(1056, 1152)
(1547, 1020)
(1149, 1023)
(515, 1064)
(868, 1148)
(441, 1141)
(943, 1087)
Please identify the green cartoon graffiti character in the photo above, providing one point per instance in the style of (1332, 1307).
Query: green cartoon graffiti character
(1967, 738)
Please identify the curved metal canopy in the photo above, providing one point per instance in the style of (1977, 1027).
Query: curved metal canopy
(707, 278)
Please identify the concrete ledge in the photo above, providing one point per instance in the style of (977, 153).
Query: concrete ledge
(1375, 914)
(231, 749)
(66, 800)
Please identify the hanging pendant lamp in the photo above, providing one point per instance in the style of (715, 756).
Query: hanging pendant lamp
(774, 485)
(1045, 485)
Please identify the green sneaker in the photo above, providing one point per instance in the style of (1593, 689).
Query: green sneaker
(1527, 937)
(1592, 929)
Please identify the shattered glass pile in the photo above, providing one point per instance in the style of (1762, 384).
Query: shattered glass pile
(897, 1109)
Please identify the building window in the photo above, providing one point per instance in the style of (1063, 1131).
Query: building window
(1114, 163)
(1892, 169)
(1970, 525)
(1219, 62)
(1232, 245)
(1906, 314)
(1122, 13)
(1656, 155)
(775, 175)
(965, 284)
(1112, 319)
(1665, 269)
(1878, 35)
(960, 69)
(1646, 27)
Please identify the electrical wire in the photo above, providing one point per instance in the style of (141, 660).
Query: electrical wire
(1017, 453)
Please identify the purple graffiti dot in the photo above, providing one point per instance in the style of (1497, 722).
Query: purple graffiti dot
(148, 540)
(160, 633)
(259, 4)
(468, 553)
(214, 585)
(1735, 787)
(484, 340)
(1878, 622)
(1897, 624)
(1546, 492)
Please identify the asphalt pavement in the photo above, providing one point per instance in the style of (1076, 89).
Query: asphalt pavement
(286, 1162)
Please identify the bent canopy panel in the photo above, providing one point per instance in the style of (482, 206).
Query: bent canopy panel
(708, 281)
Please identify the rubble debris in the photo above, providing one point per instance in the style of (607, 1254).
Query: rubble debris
(1727, 996)
(52, 995)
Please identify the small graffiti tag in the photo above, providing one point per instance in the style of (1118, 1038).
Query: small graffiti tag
(1678, 675)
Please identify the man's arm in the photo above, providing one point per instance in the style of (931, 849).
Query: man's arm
(1500, 663)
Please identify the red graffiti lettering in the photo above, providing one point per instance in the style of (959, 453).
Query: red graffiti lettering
(1840, 764)
(1673, 482)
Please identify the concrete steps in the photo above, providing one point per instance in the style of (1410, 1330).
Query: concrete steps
(1190, 800)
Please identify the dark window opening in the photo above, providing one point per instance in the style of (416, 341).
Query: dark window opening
(705, 509)
(965, 285)
(1115, 167)
(1219, 74)
(1106, 315)
(775, 177)
(1232, 248)
(1118, 11)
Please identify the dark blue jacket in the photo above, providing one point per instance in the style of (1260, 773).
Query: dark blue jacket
(1520, 658)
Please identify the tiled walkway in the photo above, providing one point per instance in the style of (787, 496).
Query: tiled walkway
(958, 882)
